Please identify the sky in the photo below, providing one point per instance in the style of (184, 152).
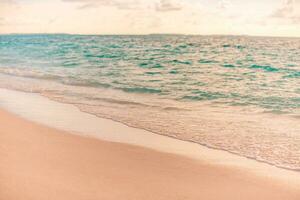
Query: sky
(203, 17)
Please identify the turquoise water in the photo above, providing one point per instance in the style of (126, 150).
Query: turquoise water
(240, 94)
(263, 72)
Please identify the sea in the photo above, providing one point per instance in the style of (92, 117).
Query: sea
(239, 94)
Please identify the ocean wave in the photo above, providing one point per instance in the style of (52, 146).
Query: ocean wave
(265, 68)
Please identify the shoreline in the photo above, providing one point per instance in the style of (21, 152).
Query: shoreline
(40, 109)
(235, 130)
(61, 115)
(39, 162)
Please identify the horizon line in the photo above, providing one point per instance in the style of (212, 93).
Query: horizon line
(149, 34)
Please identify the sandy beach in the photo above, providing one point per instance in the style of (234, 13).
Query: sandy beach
(39, 163)
(149, 100)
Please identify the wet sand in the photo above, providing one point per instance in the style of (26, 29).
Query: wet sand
(41, 163)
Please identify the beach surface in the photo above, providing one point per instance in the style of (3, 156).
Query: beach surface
(41, 163)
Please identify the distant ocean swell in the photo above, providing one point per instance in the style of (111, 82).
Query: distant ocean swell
(239, 94)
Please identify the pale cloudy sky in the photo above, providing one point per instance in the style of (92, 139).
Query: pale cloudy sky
(251, 17)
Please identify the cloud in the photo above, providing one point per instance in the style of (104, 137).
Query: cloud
(85, 4)
(286, 8)
(168, 5)
(289, 10)
(119, 4)
(224, 4)
(158, 5)
(6, 1)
